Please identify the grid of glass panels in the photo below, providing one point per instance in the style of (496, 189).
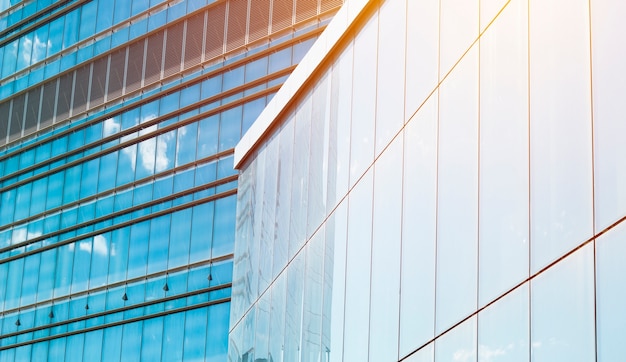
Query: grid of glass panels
(73, 38)
(117, 229)
(446, 189)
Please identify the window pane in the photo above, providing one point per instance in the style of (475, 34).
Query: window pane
(562, 310)
(457, 219)
(560, 167)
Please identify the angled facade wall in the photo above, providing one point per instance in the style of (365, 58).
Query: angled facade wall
(442, 184)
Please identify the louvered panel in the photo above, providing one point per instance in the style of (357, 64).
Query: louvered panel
(4, 121)
(135, 67)
(64, 97)
(98, 82)
(173, 49)
(326, 5)
(237, 14)
(259, 19)
(282, 14)
(305, 9)
(47, 106)
(116, 74)
(214, 45)
(154, 58)
(193, 40)
(81, 89)
(32, 111)
(17, 116)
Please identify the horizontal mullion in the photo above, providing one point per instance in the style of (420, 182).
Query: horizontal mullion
(118, 189)
(144, 137)
(148, 99)
(147, 124)
(120, 213)
(118, 310)
(117, 323)
(119, 225)
(61, 299)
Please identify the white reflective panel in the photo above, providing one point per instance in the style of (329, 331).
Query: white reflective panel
(419, 228)
(268, 224)
(300, 175)
(363, 100)
(280, 248)
(503, 210)
(336, 229)
(458, 344)
(562, 325)
(339, 128)
(560, 129)
(611, 293)
(503, 329)
(387, 227)
(358, 269)
(457, 221)
(458, 29)
(608, 52)
(422, 53)
(390, 81)
(313, 298)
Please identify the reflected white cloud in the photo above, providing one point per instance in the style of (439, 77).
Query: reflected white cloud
(152, 152)
(111, 127)
(464, 355)
(22, 234)
(39, 49)
(488, 354)
(161, 152)
(26, 50)
(99, 246)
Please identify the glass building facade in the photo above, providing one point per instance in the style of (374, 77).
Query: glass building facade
(439, 180)
(118, 121)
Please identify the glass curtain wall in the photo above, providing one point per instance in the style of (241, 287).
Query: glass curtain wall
(446, 188)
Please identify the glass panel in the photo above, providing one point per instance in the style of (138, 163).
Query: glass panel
(336, 229)
(390, 72)
(503, 215)
(458, 29)
(358, 270)
(293, 314)
(503, 329)
(419, 228)
(300, 175)
(313, 297)
(339, 128)
(386, 245)
(283, 196)
(422, 48)
(611, 293)
(363, 100)
(458, 344)
(277, 319)
(562, 310)
(609, 92)
(195, 329)
(457, 213)
(560, 167)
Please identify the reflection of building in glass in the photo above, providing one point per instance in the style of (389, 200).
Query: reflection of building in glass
(440, 180)
(118, 121)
